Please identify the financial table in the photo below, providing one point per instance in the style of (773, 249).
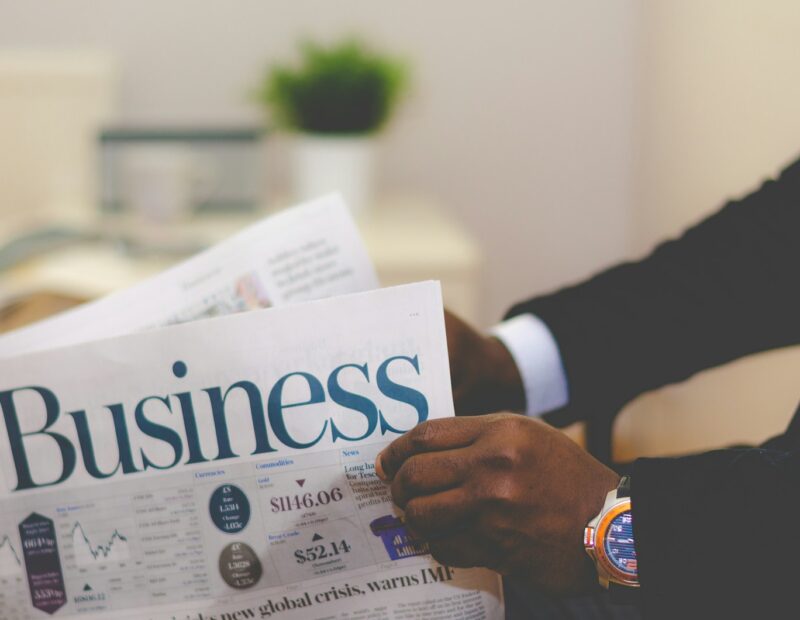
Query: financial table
(213, 531)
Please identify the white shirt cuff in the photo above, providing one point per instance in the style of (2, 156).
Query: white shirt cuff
(538, 360)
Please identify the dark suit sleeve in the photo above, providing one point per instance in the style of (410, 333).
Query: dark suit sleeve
(729, 287)
(717, 534)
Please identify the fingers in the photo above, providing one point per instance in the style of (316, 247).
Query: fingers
(433, 517)
(429, 473)
(430, 436)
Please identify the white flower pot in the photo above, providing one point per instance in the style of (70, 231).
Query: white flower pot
(323, 164)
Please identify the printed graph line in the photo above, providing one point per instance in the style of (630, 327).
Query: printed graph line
(6, 543)
(116, 542)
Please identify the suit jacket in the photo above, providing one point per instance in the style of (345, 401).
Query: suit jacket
(716, 533)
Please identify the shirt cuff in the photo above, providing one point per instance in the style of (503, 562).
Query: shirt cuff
(538, 360)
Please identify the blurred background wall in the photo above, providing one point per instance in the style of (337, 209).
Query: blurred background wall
(565, 135)
(519, 120)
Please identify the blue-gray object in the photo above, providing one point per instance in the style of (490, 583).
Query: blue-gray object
(232, 155)
(38, 242)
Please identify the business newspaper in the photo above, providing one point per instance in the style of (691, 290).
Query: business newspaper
(307, 252)
(223, 469)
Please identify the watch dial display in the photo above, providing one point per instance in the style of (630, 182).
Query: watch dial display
(619, 544)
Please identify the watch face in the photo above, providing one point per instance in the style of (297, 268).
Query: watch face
(618, 544)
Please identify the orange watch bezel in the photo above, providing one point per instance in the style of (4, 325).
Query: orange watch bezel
(614, 573)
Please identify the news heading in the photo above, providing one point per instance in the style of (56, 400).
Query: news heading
(267, 428)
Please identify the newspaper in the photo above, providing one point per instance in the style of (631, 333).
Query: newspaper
(308, 252)
(222, 533)
(224, 469)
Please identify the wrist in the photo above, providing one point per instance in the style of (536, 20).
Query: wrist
(504, 376)
(490, 381)
(537, 360)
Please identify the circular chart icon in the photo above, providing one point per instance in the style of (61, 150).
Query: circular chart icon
(239, 566)
(229, 509)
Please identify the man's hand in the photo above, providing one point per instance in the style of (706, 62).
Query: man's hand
(484, 375)
(502, 491)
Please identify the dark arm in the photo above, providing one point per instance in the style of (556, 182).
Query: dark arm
(728, 287)
(717, 534)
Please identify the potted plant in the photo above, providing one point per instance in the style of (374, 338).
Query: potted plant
(334, 102)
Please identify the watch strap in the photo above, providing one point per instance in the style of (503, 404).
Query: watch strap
(624, 487)
(623, 595)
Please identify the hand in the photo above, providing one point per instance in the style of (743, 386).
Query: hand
(484, 375)
(502, 491)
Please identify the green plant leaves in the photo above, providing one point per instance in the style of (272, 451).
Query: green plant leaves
(341, 89)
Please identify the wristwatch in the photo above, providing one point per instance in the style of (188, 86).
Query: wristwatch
(608, 539)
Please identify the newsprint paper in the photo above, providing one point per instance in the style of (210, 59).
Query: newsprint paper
(308, 252)
(223, 469)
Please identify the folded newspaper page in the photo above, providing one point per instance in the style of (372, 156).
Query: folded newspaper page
(224, 469)
(308, 252)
